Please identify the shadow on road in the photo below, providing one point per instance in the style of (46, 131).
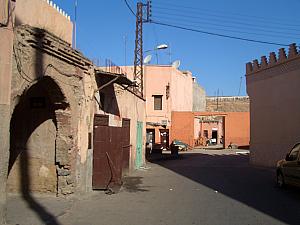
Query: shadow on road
(133, 184)
(34, 205)
(232, 176)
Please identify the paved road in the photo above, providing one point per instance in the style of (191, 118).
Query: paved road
(200, 187)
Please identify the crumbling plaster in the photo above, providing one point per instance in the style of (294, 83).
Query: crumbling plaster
(38, 54)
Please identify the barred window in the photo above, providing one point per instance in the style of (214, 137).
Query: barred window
(157, 102)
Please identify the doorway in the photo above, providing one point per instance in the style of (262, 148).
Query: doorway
(214, 137)
(164, 138)
(111, 149)
(139, 145)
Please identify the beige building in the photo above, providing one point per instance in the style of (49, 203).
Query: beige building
(60, 113)
(273, 86)
(46, 15)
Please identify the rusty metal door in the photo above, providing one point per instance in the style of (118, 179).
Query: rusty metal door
(108, 153)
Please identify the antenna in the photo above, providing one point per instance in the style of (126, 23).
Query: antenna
(75, 25)
(176, 64)
(240, 86)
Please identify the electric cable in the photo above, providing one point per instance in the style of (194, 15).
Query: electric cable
(217, 34)
(206, 32)
(204, 26)
(128, 6)
(189, 9)
(223, 20)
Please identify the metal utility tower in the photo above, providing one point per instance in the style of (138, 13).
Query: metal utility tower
(138, 51)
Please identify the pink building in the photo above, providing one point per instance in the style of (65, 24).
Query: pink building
(167, 89)
(210, 128)
(273, 87)
(233, 126)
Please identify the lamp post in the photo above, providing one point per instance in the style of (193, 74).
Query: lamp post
(159, 47)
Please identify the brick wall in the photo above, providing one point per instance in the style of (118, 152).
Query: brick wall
(228, 104)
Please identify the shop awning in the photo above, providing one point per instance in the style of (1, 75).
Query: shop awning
(108, 77)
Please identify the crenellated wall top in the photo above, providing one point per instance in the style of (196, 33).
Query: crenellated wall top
(273, 60)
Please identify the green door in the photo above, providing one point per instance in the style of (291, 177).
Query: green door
(139, 145)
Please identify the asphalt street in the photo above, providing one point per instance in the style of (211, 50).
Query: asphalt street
(198, 187)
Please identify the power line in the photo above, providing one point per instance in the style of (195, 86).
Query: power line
(176, 18)
(222, 20)
(128, 6)
(217, 27)
(217, 34)
(170, 6)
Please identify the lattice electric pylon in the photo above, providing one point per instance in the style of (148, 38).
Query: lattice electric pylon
(138, 52)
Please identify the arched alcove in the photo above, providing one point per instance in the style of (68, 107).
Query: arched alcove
(40, 140)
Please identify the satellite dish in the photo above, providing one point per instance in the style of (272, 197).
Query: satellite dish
(147, 59)
(176, 64)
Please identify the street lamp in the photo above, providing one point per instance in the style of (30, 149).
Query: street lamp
(148, 58)
(162, 46)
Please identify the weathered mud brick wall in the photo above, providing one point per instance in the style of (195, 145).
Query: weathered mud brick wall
(228, 104)
(48, 94)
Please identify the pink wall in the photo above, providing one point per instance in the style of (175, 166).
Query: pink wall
(236, 126)
(38, 13)
(157, 78)
(197, 128)
(273, 87)
(181, 90)
(183, 127)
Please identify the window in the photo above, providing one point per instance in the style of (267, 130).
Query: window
(205, 133)
(294, 153)
(157, 102)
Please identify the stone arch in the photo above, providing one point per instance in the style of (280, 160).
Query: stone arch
(41, 140)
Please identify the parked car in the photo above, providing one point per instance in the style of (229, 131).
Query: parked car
(288, 169)
(180, 145)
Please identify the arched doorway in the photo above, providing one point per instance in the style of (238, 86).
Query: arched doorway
(34, 139)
